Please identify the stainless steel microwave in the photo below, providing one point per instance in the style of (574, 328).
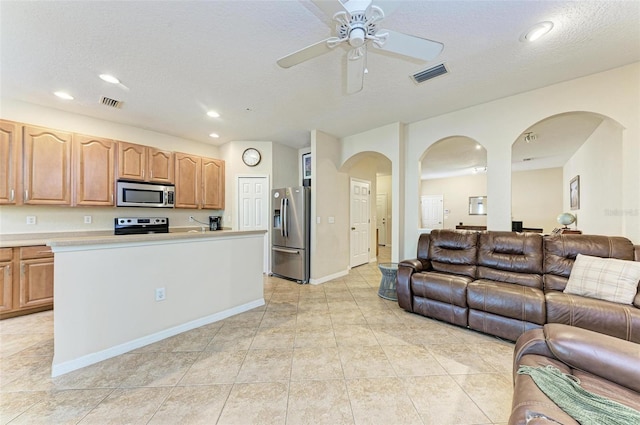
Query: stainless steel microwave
(136, 194)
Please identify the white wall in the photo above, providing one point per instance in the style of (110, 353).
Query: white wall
(61, 218)
(496, 125)
(455, 193)
(599, 164)
(536, 197)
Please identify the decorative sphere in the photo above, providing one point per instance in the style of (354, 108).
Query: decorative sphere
(566, 218)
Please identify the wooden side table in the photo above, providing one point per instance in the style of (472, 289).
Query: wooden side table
(388, 283)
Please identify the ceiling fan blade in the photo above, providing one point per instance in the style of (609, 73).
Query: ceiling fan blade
(329, 7)
(355, 72)
(357, 5)
(305, 54)
(409, 45)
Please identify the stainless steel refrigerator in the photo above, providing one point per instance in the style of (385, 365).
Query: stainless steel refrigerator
(290, 233)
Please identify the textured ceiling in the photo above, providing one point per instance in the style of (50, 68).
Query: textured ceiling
(178, 59)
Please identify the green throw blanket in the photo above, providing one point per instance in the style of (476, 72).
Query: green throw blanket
(585, 407)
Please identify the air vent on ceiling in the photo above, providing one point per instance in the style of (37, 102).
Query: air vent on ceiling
(427, 74)
(107, 101)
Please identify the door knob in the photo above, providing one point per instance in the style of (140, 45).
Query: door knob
(353, 228)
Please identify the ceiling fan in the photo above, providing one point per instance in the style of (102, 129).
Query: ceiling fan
(357, 28)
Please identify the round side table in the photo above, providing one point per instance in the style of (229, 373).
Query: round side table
(388, 283)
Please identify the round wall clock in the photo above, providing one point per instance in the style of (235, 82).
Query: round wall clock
(251, 157)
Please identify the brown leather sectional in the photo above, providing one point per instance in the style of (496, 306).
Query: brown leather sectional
(605, 365)
(505, 283)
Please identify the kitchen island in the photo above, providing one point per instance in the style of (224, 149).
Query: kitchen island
(114, 294)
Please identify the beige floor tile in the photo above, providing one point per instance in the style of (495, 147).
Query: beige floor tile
(13, 404)
(63, 407)
(266, 366)
(440, 401)
(232, 339)
(194, 340)
(344, 317)
(274, 338)
(312, 318)
(354, 335)
(158, 369)
(200, 405)
(319, 403)
(498, 354)
(256, 403)
(127, 406)
(491, 392)
(316, 363)
(365, 362)
(11, 343)
(412, 360)
(315, 336)
(459, 359)
(381, 401)
(214, 367)
(248, 319)
(278, 320)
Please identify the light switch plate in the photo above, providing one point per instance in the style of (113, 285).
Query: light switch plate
(31, 219)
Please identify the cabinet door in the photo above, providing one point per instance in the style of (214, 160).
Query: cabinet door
(6, 279)
(161, 166)
(212, 183)
(47, 166)
(94, 161)
(9, 163)
(132, 161)
(187, 181)
(36, 282)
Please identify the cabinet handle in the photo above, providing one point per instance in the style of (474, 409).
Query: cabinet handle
(151, 174)
(12, 195)
(143, 174)
(26, 194)
(22, 269)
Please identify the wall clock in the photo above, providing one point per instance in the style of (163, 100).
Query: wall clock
(251, 157)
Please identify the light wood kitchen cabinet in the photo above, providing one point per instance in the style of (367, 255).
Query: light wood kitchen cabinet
(144, 163)
(188, 175)
(6, 279)
(10, 155)
(27, 280)
(47, 166)
(94, 164)
(212, 183)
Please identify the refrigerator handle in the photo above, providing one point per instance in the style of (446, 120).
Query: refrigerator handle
(283, 219)
(286, 217)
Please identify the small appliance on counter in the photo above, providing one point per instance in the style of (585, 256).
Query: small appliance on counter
(215, 222)
(140, 225)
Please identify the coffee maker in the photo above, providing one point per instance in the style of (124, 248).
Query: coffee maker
(215, 222)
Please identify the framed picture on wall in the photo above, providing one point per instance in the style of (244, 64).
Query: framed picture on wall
(574, 193)
(306, 169)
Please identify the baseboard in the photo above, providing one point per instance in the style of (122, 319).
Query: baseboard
(329, 277)
(89, 359)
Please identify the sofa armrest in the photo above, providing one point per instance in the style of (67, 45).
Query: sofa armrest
(406, 269)
(611, 358)
(530, 342)
(415, 263)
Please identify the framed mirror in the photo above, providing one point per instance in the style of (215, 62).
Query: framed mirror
(477, 205)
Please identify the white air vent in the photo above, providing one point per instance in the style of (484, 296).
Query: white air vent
(427, 74)
(111, 102)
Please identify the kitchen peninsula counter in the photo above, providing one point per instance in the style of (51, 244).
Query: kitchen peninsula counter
(106, 288)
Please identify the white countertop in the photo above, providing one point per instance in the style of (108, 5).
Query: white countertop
(61, 239)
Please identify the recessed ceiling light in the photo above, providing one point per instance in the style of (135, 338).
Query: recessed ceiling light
(214, 135)
(478, 147)
(536, 31)
(213, 114)
(109, 78)
(63, 95)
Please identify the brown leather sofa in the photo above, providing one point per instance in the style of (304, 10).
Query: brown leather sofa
(505, 283)
(605, 365)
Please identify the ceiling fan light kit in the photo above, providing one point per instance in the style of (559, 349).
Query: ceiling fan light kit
(537, 31)
(357, 27)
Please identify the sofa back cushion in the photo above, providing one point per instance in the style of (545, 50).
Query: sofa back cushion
(511, 257)
(453, 251)
(561, 252)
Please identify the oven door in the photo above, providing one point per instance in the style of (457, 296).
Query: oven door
(144, 195)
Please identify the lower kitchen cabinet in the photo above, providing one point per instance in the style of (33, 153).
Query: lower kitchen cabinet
(27, 280)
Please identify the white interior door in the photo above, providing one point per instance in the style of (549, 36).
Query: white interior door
(360, 222)
(432, 211)
(381, 218)
(253, 209)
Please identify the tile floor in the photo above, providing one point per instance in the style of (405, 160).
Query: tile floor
(334, 353)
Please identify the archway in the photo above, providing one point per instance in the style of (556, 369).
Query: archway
(452, 178)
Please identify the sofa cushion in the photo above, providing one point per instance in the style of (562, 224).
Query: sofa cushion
(441, 311)
(453, 251)
(607, 279)
(508, 300)
(442, 287)
(494, 324)
(619, 320)
(560, 251)
(511, 257)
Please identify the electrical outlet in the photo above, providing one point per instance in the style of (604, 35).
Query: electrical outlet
(191, 219)
(160, 294)
(87, 219)
(31, 219)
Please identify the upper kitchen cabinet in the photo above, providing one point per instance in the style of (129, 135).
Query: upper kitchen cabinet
(188, 175)
(10, 193)
(212, 183)
(47, 166)
(94, 165)
(143, 163)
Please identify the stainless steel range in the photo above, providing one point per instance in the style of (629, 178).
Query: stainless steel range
(140, 225)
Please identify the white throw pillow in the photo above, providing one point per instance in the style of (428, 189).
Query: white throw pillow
(607, 279)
